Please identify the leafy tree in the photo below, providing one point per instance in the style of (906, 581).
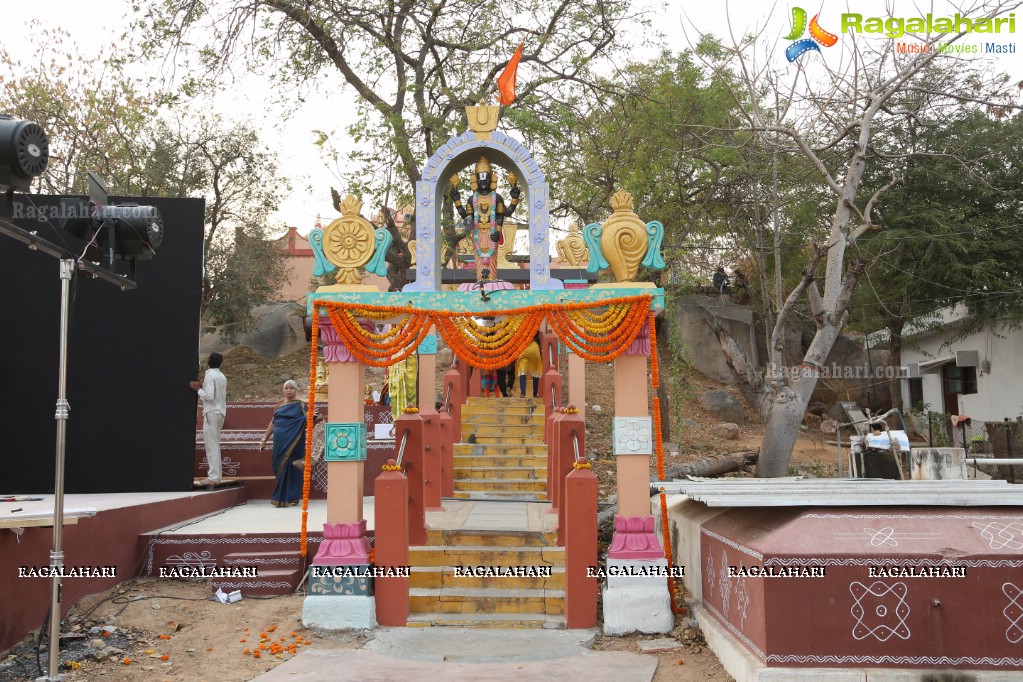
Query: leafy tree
(413, 65)
(951, 226)
(100, 119)
(228, 164)
(93, 113)
(834, 125)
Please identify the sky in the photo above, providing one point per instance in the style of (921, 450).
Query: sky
(289, 130)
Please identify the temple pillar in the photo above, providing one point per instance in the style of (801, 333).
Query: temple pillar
(577, 383)
(637, 597)
(431, 422)
(330, 603)
(633, 444)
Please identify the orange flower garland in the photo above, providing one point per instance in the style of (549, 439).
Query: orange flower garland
(307, 471)
(659, 449)
(656, 383)
(667, 552)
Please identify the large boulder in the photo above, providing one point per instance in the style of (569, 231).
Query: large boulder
(278, 331)
(701, 341)
(724, 406)
(728, 431)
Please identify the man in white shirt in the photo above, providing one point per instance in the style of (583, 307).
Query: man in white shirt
(213, 392)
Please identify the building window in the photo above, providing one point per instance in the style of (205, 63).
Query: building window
(961, 380)
(916, 393)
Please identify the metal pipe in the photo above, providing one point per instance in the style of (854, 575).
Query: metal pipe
(63, 410)
(401, 448)
(575, 443)
(1002, 461)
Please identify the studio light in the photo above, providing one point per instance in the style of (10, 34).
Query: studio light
(126, 231)
(134, 231)
(24, 153)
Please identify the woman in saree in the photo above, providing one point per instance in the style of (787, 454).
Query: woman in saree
(288, 428)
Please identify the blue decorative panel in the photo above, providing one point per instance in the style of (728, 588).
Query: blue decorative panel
(345, 442)
(505, 299)
(347, 580)
(428, 346)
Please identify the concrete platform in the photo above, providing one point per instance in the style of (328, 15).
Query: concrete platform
(476, 655)
(492, 515)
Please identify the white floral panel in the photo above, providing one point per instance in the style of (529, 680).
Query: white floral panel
(634, 436)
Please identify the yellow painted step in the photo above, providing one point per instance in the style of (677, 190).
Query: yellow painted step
(500, 473)
(491, 600)
(447, 576)
(478, 555)
(505, 485)
(518, 496)
(499, 449)
(521, 621)
(537, 419)
(472, 438)
(513, 431)
(501, 461)
(491, 538)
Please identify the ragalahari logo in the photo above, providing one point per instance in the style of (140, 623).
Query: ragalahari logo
(817, 35)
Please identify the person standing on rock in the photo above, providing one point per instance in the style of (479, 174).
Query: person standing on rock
(213, 392)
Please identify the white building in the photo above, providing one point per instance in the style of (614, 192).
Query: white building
(979, 376)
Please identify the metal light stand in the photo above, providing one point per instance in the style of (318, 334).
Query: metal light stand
(63, 409)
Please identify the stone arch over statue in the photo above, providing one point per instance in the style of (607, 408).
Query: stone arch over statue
(453, 156)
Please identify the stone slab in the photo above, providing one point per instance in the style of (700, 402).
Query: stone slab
(439, 644)
(637, 609)
(339, 613)
(360, 665)
(656, 646)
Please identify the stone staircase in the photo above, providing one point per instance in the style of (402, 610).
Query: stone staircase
(276, 573)
(458, 579)
(495, 578)
(502, 454)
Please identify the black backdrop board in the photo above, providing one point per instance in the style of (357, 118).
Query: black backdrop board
(131, 355)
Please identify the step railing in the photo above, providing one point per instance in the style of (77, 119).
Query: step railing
(411, 460)
(391, 541)
(577, 527)
(571, 437)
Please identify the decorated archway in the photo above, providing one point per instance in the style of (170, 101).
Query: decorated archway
(455, 154)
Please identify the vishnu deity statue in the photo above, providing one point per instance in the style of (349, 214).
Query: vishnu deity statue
(483, 216)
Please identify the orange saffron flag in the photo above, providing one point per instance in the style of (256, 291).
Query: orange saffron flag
(506, 81)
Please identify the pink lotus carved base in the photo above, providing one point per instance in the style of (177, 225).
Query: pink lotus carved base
(634, 538)
(343, 543)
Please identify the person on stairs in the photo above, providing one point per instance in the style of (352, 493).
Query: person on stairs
(213, 392)
(530, 363)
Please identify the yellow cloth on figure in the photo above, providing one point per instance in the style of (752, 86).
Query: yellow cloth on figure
(401, 383)
(529, 362)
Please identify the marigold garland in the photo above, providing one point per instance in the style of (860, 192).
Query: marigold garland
(659, 449)
(309, 425)
(667, 552)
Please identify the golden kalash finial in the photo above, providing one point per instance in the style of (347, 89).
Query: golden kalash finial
(624, 238)
(572, 249)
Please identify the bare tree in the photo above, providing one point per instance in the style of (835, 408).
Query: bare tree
(832, 116)
(413, 65)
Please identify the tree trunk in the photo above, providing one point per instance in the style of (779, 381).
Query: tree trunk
(714, 465)
(895, 360)
(662, 390)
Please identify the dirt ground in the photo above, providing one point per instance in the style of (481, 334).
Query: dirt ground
(170, 630)
(175, 633)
